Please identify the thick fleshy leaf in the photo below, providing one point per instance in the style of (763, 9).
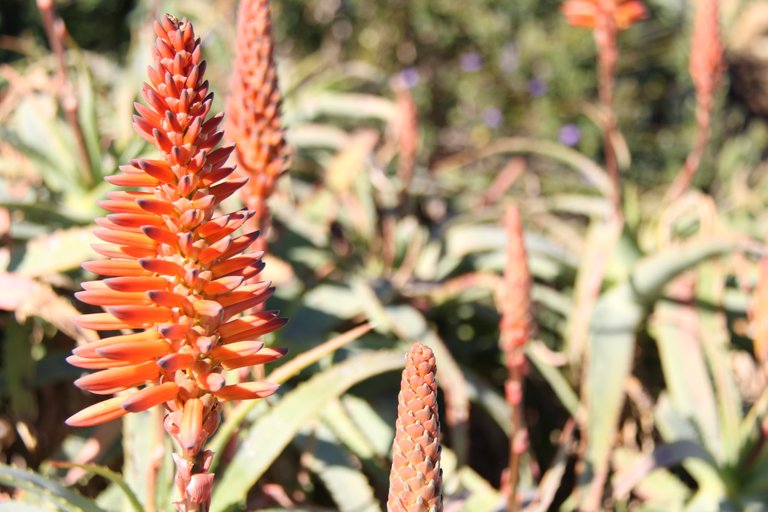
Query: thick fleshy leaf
(285, 419)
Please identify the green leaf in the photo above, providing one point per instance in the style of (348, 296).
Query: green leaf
(145, 444)
(348, 487)
(107, 473)
(267, 439)
(616, 318)
(18, 506)
(86, 114)
(676, 330)
(59, 251)
(589, 170)
(19, 370)
(49, 490)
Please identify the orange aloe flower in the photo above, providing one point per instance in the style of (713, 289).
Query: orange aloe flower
(416, 478)
(177, 273)
(586, 13)
(253, 109)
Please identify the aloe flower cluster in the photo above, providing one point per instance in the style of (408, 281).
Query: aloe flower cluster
(177, 275)
(253, 109)
(416, 479)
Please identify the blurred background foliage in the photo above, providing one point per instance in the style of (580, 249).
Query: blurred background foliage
(419, 253)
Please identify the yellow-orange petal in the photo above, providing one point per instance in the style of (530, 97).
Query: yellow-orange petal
(132, 180)
(95, 363)
(243, 293)
(227, 188)
(231, 265)
(246, 391)
(221, 286)
(252, 301)
(96, 414)
(124, 238)
(157, 169)
(120, 206)
(160, 235)
(150, 397)
(115, 268)
(89, 349)
(191, 426)
(117, 379)
(235, 350)
(177, 361)
(135, 351)
(264, 356)
(240, 244)
(141, 315)
(162, 267)
(135, 220)
(169, 299)
(207, 308)
(136, 284)
(251, 326)
(100, 322)
(214, 251)
(107, 297)
(111, 251)
(156, 206)
(174, 331)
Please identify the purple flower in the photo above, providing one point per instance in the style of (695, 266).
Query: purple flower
(492, 117)
(410, 77)
(470, 61)
(509, 59)
(537, 87)
(570, 135)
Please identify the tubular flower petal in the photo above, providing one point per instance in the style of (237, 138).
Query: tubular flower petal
(585, 13)
(253, 108)
(176, 269)
(96, 414)
(416, 478)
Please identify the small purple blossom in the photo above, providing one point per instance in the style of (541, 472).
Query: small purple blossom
(509, 59)
(537, 87)
(470, 61)
(492, 117)
(570, 135)
(410, 77)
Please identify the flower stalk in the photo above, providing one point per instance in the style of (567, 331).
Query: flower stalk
(178, 276)
(606, 18)
(415, 480)
(253, 111)
(706, 66)
(515, 328)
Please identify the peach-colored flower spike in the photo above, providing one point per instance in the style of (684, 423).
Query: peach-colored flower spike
(416, 479)
(253, 109)
(176, 271)
(514, 299)
(585, 13)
